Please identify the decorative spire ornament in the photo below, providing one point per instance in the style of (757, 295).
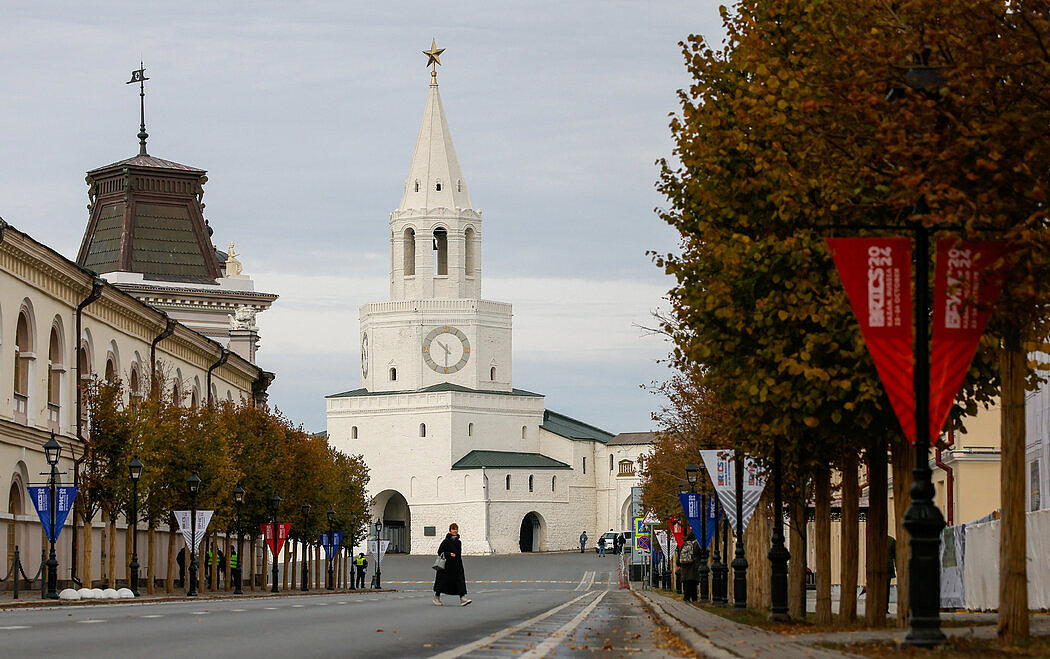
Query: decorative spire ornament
(433, 60)
(139, 76)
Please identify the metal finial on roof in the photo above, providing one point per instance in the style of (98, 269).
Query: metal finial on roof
(433, 60)
(139, 76)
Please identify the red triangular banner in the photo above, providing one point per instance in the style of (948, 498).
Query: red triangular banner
(964, 289)
(283, 529)
(876, 273)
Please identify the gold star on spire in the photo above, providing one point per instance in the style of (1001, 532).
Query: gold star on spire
(433, 58)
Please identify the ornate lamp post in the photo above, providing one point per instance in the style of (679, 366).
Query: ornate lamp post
(378, 526)
(331, 542)
(778, 554)
(719, 570)
(194, 483)
(739, 560)
(305, 508)
(238, 498)
(692, 474)
(275, 506)
(52, 451)
(135, 471)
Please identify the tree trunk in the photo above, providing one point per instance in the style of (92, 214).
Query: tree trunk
(797, 564)
(756, 547)
(169, 581)
(875, 600)
(850, 548)
(151, 564)
(129, 536)
(822, 542)
(214, 567)
(295, 559)
(1013, 580)
(89, 557)
(112, 558)
(226, 576)
(265, 564)
(284, 575)
(903, 464)
(251, 564)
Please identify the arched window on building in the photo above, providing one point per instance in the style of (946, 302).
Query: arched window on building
(554, 480)
(524, 431)
(585, 464)
(353, 432)
(111, 371)
(54, 378)
(508, 482)
(441, 251)
(492, 374)
(393, 373)
(417, 185)
(422, 430)
(530, 483)
(470, 429)
(610, 462)
(23, 358)
(410, 252)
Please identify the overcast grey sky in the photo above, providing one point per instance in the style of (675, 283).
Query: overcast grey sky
(305, 115)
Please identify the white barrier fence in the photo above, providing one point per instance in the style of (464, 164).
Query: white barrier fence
(970, 564)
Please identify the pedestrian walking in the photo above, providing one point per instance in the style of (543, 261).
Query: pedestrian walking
(620, 542)
(361, 564)
(451, 580)
(687, 559)
(209, 560)
(583, 541)
(601, 546)
(222, 570)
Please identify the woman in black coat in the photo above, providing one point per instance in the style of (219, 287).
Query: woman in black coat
(451, 580)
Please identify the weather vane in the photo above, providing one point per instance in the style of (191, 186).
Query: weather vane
(139, 76)
(433, 60)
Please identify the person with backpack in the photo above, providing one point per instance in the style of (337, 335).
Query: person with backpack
(688, 559)
(601, 546)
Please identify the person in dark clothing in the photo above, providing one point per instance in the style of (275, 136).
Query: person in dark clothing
(688, 560)
(222, 570)
(451, 580)
(180, 558)
(361, 565)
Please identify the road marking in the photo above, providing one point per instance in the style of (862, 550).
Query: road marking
(153, 615)
(14, 627)
(198, 613)
(270, 608)
(554, 639)
(470, 647)
(298, 606)
(89, 622)
(586, 581)
(238, 610)
(322, 604)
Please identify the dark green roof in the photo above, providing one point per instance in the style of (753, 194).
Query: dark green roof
(570, 428)
(442, 386)
(507, 460)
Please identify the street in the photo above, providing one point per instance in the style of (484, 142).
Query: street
(524, 605)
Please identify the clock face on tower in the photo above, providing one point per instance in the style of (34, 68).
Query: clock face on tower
(364, 355)
(446, 349)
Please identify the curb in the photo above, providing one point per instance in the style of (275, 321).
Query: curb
(700, 644)
(225, 597)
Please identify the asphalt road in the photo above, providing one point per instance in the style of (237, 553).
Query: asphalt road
(529, 605)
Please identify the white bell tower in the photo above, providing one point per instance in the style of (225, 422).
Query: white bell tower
(436, 328)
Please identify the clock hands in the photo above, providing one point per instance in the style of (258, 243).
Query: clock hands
(445, 348)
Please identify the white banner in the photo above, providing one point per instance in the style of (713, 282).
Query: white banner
(182, 517)
(722, 471)
(661, 537)
(378, 554)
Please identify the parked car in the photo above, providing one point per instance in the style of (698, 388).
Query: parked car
(610, 537)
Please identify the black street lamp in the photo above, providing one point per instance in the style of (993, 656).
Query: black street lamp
(692, 474)
(275, 507)
(331, 543)
(739, 560)
(194, 483)
(305, 508)
(719, 570)
(238, 498)
(52, 451)
(135, 471)
(378, 526)
(778, 554)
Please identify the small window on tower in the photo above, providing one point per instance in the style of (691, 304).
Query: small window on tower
(353, 432)
(417, 186)
(524, 429)
(508, 481)
(530, 483)
(437, 186)
(585, 465)
(470, 430)
(492, 374)
(393, 374)
(422, 430)
(459, 186)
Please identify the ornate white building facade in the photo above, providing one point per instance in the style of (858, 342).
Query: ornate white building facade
(446, 436)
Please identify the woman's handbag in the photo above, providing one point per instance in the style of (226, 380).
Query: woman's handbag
(439, 562)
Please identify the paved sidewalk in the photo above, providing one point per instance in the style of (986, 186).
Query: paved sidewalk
(714, 636)
(31, 598)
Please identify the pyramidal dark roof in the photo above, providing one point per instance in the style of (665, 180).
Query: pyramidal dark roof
(146, 217)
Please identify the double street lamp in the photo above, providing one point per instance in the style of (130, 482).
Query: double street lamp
(739, 560)
(238, 498)
(194, 484)
(135, 471)
(331, 544)
(305, 508)
(52, 451)
(275, 506)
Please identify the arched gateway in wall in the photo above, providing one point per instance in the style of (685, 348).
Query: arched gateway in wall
(531, 536)
(392, 507)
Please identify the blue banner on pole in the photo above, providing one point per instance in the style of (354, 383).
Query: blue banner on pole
(691, 508)
(41, 497)
(331, 544)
